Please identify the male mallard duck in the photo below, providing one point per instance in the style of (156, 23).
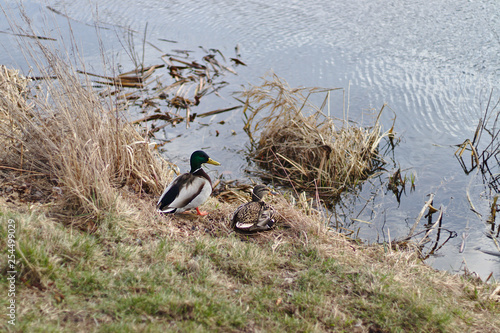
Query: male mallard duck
(255, 215)
(188, 190)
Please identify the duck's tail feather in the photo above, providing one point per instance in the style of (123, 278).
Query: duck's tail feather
(167, 210)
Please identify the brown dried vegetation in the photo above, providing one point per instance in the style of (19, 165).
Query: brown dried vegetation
(302, 146)
(66, 144)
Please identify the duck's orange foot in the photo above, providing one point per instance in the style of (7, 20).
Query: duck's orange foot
(201, 213)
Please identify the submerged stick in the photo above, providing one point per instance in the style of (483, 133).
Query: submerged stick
(462, 244)
(209, 113)
(471, 204)
(165, 117)
(493, 211)
(427, 204)
(433, 226)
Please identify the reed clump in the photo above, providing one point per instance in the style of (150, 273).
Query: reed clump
(58, 135)
(301, 146)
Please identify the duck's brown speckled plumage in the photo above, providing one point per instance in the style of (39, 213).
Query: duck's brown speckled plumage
(255, 215)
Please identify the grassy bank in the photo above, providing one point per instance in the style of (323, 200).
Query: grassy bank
(152, 273)
(79, 184)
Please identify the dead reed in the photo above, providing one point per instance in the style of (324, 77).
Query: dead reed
(61, 134)
(484, 148)
(301, 146)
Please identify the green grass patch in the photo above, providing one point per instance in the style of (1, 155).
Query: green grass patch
(108, 281)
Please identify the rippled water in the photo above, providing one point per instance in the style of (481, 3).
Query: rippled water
(433, 62)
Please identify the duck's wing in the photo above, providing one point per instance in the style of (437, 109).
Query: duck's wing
(266, 217)
(246, 215)
(184, 189)
(234, 218)
(253, 216)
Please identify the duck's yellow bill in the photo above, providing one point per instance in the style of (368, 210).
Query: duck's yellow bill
(211, 161)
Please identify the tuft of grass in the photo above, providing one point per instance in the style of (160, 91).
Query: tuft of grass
(301, 146)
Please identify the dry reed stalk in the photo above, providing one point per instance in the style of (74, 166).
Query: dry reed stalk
(71, 137)
(300, 145)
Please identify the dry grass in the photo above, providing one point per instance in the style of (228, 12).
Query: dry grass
(300, 145)
(60, 134)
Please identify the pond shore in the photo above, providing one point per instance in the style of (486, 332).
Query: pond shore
(91, 254)
(139, 271)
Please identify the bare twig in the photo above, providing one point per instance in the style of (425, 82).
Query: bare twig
(422, 211)
(438, 221)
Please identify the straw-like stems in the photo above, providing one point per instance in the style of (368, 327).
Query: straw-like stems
(298, 143)
(67, 134)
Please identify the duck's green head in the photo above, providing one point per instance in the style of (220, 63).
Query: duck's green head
(198, 158)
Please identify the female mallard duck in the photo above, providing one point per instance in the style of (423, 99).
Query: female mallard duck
(188, 190)
(255, 215)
